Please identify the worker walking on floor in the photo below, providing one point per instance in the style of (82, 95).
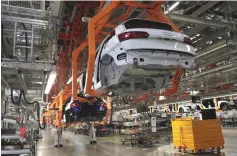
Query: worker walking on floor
(58, 136)
(91, 131)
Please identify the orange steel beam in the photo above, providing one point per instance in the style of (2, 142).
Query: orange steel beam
(91, 41)
(58, 103)
(108, 113)
(110, 26)
(142, 97)
(75, 54)
(101, 5)
(95, 25)
(104, 33)
(139, 5)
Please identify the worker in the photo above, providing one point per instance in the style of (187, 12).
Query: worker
(91, 131)
(58, 136)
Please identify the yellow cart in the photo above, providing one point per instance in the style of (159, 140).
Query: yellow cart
(197, 134)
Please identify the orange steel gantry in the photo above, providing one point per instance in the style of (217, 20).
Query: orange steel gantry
(95, 35)
(96, 24)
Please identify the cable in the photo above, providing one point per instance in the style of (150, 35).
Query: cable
(34, 102)
(19, 98)
(38, 110)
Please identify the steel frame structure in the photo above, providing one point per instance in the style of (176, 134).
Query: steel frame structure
(72, 35)
(95, 35)
(20, 53)
(103, 20)
(95, 25)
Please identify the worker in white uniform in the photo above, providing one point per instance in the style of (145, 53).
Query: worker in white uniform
(91, 131)
(58, 136)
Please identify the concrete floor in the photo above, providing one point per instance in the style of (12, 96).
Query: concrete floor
(78, 145)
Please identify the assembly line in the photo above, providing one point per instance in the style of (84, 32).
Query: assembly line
(118, 77)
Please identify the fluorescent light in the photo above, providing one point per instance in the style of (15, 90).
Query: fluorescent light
(51, 79)
(172, 7)
(162, 98)
(217, 48)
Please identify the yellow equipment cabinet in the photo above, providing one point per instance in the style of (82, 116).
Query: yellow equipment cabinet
(197, 134)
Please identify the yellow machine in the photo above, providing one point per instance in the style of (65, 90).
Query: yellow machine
(197, 134)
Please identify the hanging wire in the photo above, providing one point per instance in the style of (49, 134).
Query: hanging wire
(36, 103)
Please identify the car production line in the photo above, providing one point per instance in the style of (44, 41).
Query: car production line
(119, 78)
(78, 145)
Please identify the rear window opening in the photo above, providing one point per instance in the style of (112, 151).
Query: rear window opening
(139, 23)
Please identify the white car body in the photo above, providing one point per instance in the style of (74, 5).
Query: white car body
(184, 109)
(140, 64)
(191, 107)
(222, 103)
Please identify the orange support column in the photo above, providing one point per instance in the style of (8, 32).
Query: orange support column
(61, 102)
(108, 113)
(57, 112)
(75, 54)
(93, 31)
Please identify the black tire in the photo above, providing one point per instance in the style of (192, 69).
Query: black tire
(224, 107)
(181, 110)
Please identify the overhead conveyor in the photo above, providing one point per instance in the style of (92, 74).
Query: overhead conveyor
(96, 26)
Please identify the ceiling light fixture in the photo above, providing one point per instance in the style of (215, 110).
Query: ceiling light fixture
(217, 48)
(172, 7)
(51, 79)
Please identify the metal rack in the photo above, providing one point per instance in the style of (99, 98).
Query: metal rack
(12, 143)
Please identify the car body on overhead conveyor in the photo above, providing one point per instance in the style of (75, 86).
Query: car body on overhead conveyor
(75, 111)
(140, 55)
